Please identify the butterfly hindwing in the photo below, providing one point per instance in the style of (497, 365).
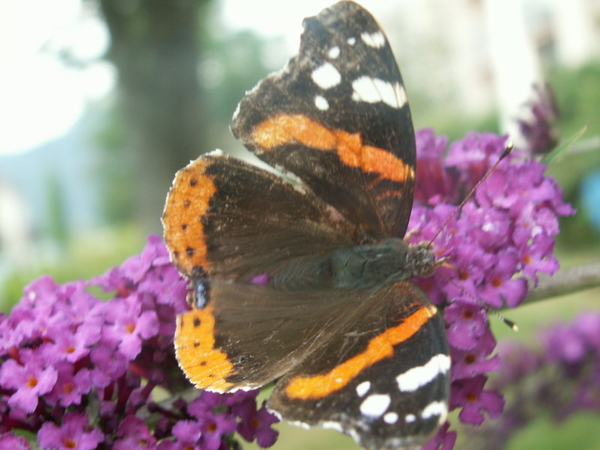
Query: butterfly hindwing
(247, 336)
(366, 380)
(337, 117)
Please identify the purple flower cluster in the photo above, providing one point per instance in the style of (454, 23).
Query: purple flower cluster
(560, 377)
(536, 121)
(574, 350)
(80, 372)
(495, 247)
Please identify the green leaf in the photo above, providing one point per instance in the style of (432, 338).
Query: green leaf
(558, 151)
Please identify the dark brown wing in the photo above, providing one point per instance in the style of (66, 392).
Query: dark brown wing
(383, 378)
(337, 117)
(225, 219)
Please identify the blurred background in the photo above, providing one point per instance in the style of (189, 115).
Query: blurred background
(102, 101)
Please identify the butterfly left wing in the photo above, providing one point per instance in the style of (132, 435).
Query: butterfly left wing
(246, 336)
(337, 117)
(383, 378)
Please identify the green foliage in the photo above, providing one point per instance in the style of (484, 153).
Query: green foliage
(578, 96)
(114, 170)
(58, 228)
(580, 431)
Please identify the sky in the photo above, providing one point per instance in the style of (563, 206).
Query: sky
(42, 97)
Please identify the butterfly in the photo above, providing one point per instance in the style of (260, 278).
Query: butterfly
(305, 280)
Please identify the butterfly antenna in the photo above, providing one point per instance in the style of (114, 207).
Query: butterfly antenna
(507, 149)
(512, 325)
(509, 323)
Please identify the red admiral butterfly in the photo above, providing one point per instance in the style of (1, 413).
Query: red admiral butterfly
(308, 283)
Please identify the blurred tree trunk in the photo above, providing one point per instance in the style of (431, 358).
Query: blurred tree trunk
(154, 45)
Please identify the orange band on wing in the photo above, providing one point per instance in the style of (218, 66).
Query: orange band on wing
(203, 364)
(187, 203)
(380, 347)
(296, 128)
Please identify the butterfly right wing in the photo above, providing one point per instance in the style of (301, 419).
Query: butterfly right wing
(337, 117)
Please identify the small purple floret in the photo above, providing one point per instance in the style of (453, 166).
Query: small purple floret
(62, 349)
(261, 280)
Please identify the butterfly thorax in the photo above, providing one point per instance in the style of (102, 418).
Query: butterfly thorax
(361, 267)
(389, 261)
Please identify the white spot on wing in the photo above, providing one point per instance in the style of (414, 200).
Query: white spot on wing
(410, 418)
(326, 76)
(413, 379)
(375, 405)
(400, 93)
(363, 388)
(390, 418)
(375, 40)
(321, 103)
(373, 90)
(333, 52)
(351, 41)
(435, 409)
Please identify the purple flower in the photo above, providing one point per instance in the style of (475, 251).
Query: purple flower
(9, 441)
(500, 285)
(257, 424)
(133, 433)
(63, 350)
(433, 184)
(518, 362)
(443, 440)
(466, 324)
(187, 433)
(475, 361)
(469, 394)
(536, 257)
(74, 432)
(214, 429)
(127, 326)
(30, 379)
(70, 386)
(573, 342)
(107, 365)
(559, 378)
(213, 426)
(537, 119)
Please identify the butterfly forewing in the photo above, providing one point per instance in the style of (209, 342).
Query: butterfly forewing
(337, 117)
